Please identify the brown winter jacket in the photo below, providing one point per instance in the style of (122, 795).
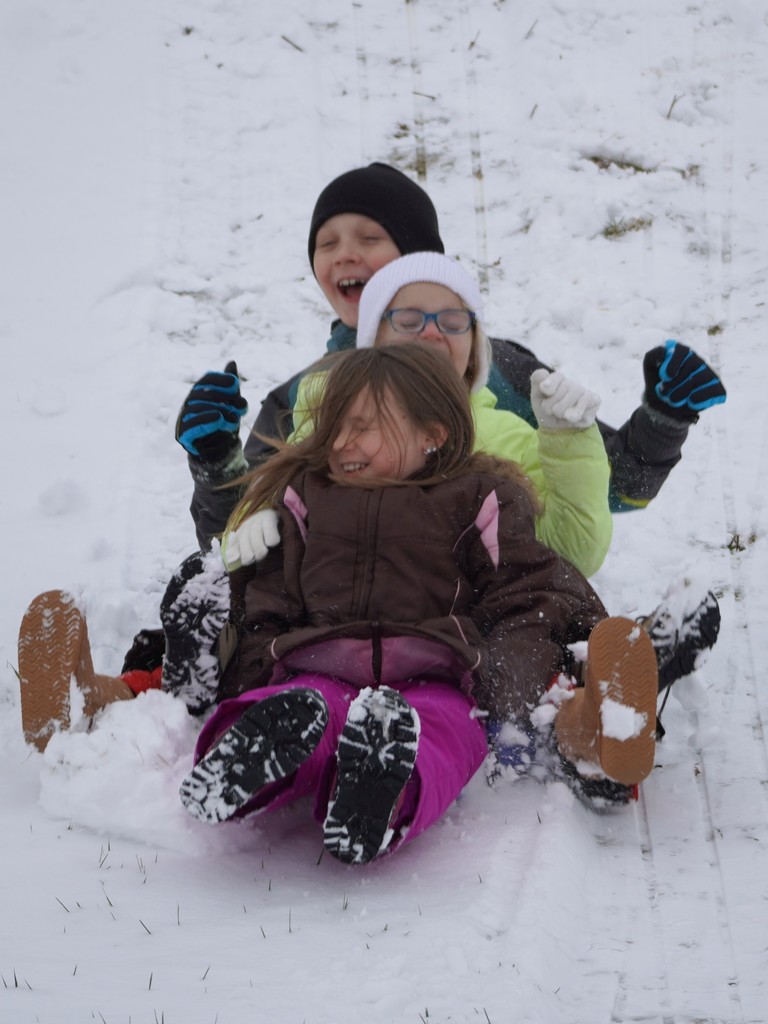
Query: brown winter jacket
(379, 585)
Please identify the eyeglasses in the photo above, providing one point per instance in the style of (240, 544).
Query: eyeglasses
(413, 321)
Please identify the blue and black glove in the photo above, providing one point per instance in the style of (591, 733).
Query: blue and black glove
(679, 383)
(209, 422)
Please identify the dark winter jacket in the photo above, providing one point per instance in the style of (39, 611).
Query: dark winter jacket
(642, 452)
(380, 585)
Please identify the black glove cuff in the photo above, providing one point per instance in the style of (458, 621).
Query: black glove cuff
(216, 447)
(216, 471)
(659, 435)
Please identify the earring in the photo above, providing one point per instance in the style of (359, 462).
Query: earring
(431, 450)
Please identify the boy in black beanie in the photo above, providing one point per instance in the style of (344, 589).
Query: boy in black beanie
(363, 220)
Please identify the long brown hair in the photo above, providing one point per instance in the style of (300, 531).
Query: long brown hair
(426, 387)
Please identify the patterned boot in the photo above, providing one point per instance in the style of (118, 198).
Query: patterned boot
(681, 630)
(375, 759)
(193, 612)
(267, 743)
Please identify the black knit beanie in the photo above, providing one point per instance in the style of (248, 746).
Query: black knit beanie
(387, 196)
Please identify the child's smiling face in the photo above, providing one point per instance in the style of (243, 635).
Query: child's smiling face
(430, 298)
(349, 249)
(376, 443)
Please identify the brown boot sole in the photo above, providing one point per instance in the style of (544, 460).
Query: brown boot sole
(50, 641)
(621, 667)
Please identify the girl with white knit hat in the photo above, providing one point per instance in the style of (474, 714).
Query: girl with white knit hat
(416, 277)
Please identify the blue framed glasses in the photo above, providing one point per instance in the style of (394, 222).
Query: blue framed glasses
(413, 321)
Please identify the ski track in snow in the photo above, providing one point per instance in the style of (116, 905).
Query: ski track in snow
(520, 904)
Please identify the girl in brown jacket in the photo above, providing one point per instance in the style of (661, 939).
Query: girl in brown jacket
(408, 591)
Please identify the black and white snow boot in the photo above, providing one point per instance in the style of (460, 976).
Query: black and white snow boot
(193, 612)
(376, 755)
(267, 743)
(681, 630)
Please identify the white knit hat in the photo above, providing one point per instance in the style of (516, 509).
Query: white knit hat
(430, 268)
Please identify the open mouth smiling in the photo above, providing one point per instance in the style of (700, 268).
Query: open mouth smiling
(351, 287)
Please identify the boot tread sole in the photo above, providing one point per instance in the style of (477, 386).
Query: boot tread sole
(268, 742)
(621, 666)
(374, 763)
(51, 639)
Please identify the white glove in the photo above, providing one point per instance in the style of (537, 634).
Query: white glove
(251, 541)
(561, 404)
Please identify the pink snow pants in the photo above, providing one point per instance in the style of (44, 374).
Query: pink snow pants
(452, 747)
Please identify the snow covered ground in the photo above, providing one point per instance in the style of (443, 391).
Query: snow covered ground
(603, 165)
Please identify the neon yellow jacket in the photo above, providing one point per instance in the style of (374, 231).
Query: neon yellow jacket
(571, 474)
